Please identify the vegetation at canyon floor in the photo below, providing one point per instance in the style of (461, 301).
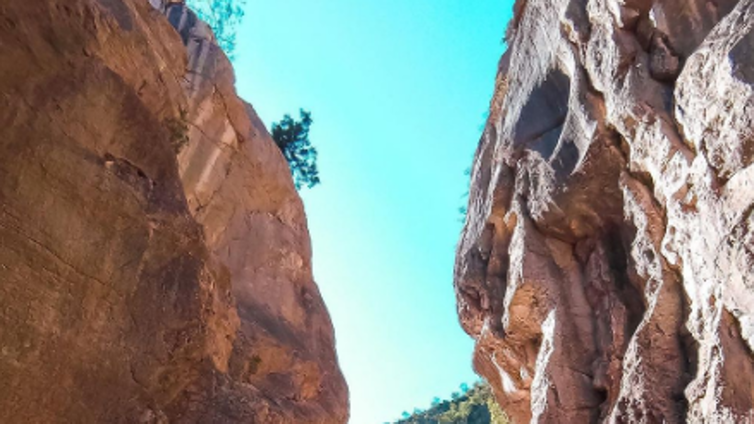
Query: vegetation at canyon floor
(476, 405)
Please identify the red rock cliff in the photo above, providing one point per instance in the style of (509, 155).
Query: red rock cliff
(155, 263)
(606, 268)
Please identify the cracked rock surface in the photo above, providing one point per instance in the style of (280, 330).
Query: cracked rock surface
(606, 266)
(155, 264)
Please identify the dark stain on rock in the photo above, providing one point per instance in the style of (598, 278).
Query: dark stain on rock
(544, 111)
(742, 61)
(120, 12)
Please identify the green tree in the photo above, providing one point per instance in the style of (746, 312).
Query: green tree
(224, 17)
(476, 405)
(292, 137)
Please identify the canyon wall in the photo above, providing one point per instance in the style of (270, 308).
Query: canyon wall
(155, 263)
(606, 266)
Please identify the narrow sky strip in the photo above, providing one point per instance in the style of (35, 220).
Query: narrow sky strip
(398, 91)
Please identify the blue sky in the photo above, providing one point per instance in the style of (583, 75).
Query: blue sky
(398, 90)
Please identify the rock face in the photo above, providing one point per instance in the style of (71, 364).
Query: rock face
(155, 264)
(606, 268)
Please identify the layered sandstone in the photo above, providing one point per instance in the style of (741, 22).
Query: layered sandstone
(607, 262)
(155, 264)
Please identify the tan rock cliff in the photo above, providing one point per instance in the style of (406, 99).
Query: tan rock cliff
(137, 285)
(606, 268)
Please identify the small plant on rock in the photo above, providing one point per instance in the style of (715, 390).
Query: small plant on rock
(178, 129)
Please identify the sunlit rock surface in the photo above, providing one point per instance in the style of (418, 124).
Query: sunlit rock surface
(155, 264)
(607, 262)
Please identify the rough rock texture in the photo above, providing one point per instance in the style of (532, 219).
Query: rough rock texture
(137, 285)
(607, 262)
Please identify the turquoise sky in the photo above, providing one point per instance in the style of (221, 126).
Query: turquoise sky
(398, 90)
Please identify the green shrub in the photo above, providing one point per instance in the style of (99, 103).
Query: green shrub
(476, 405)
(224, 17)
(292, 137)
(178, 130)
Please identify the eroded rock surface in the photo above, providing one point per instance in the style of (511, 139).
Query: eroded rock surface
(607, 262)
(155, 263)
